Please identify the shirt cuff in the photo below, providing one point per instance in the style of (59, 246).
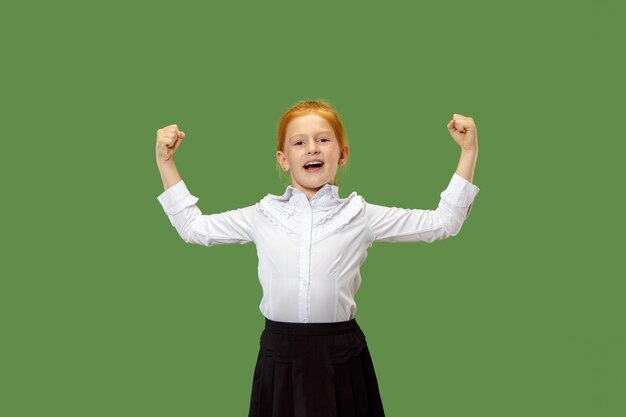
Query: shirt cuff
(176, 198)
(460, 191)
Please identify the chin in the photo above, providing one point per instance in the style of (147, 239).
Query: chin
(316, 184)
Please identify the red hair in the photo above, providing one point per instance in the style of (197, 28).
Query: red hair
(304, 107)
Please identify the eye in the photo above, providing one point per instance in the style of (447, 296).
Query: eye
(298, 142)
(325, 139)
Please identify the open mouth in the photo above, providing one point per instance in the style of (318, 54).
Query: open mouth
(313, 166)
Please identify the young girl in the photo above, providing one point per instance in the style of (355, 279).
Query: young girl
(313, 358)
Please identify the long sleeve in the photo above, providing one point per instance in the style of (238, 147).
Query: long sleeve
(229, 227)
(392, 224)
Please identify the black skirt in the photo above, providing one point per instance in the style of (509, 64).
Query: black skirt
(314, 370)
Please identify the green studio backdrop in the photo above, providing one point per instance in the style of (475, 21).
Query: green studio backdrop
(105, 311)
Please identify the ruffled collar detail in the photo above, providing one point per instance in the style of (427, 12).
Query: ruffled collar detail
(285, 210)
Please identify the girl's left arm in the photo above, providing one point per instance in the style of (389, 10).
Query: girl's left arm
(467, 164)
(393, 224)
(463, 131)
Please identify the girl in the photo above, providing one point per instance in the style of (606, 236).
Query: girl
(313, 358)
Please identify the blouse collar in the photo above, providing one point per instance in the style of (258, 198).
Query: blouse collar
(326, 197)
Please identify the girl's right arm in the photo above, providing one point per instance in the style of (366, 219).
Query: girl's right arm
(169, 173)
(229, 227)
(169, 139)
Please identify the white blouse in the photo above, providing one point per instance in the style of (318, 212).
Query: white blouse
(310, 252)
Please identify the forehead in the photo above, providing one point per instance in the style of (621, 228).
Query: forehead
(309, 123)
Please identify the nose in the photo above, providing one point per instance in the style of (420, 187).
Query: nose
(313, 147)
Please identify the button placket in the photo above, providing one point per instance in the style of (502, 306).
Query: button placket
(305, 260)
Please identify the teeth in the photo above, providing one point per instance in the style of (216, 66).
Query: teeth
(313, 163)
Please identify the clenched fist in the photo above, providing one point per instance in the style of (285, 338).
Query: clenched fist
(169, 139)
(463, 131)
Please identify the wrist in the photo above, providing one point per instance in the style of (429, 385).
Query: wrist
(163, 162)
(472, 150)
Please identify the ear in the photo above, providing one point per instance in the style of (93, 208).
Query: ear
(282, 160)
(343, 158)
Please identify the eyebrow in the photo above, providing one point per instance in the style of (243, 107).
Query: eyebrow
(298, 134)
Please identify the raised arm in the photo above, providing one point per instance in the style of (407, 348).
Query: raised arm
(169, 173)
(467, 164)
(168, 141)
(393, 224)
(233, 226)
(463, 131)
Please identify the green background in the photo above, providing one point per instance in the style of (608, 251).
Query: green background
(105, 311)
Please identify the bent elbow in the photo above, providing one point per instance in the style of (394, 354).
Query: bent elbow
(452, 229)
(190, 233)
(452, 224)
(185, 234)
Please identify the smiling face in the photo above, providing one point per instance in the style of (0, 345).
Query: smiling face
(307, 138)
